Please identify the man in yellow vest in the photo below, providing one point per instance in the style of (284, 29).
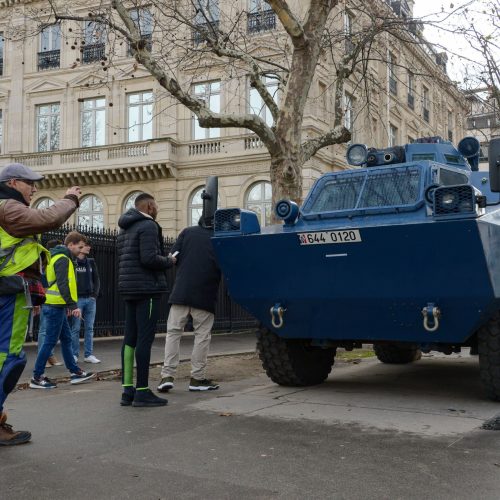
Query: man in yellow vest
(62, 300)
(21, 252)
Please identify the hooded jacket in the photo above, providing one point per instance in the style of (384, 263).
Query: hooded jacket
(62, 272)
(141, 256)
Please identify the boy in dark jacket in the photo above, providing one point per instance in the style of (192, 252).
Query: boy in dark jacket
(89, 284)
(141, 281)
(195, 293)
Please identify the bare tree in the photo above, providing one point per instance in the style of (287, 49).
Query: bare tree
(194, 39)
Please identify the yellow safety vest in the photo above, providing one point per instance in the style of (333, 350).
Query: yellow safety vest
(17, 254)
(54, 296)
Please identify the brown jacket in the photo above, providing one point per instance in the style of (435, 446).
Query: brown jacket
(20, 220)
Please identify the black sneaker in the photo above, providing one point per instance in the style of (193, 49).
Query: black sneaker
(127, 396)
(81, 376)
(202, 385)
(42, 383)
(146, 398)
(166, 384)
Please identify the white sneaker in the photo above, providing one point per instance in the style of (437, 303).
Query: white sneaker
(91, 359)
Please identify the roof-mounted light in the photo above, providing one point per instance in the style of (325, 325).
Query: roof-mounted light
(357, 154)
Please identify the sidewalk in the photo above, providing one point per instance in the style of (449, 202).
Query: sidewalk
(108, 351)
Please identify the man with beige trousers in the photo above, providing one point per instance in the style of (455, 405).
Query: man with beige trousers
(194, 293)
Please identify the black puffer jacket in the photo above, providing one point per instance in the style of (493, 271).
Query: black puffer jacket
(198, 275)
(141, 256)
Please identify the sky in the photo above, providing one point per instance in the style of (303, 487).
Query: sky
(456, 46)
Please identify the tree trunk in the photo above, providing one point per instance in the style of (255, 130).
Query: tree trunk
(286, 178)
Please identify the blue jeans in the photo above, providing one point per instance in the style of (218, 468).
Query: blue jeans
(42, 330)
(57, 328)
(88, 306)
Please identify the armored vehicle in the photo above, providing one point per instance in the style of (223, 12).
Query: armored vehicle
(401, 251)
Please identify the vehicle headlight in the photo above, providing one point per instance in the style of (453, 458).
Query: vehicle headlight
(356, 154)
(449, 199)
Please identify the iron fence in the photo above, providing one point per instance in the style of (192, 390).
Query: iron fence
(110, 317)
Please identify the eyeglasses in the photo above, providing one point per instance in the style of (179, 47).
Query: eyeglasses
(25, 181)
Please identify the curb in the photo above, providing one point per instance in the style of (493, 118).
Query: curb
(114, 373)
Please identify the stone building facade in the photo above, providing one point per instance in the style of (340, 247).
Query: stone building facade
(118, 137)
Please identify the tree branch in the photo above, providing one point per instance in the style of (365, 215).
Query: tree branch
(338, 135)
(291, 24)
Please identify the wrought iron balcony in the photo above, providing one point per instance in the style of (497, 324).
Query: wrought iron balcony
(411, 101)
(393, 86)
(1, 67)
(204, 29)
(261, 21)
(426, 114)
(49, 59)
(93, 53)
(148, 39)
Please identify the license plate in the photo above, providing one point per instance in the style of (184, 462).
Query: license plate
(329, 237)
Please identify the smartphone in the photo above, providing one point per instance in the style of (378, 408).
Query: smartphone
(175, 254)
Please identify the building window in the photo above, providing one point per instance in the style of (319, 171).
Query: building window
(425, 104)
(260, 17)
(206, 19)
(411, 139)
(95, 42)
(130, 200)
(411, 90)
(393, 136)
(391, 66)
(450, 125)
(257, 106)
(90, 213)
(48, 126)
(349, 102)
(140, 116)
(2, 42)
(143, 20)
(44, 203)
(50, 47)
(348, 22)
(210, 94)
(93, 122)
(195, 206)
(259, 200)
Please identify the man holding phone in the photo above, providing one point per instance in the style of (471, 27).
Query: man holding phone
(194, 293)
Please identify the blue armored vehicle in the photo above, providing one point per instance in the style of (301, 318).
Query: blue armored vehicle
(402, 251)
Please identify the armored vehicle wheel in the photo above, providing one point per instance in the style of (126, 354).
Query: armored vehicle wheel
(293, 362)
(488, 339)
(397, 354)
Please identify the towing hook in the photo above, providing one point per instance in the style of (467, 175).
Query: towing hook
(431, 314)
(277, 312)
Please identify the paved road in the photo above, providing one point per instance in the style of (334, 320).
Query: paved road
(371, 432)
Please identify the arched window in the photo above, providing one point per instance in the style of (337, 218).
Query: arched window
(195, 207)
(44, 203)
(259, 200)
(130, 200)
(90, 213)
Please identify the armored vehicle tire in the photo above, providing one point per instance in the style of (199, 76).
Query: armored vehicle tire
(293, 362)
(397, 354)
(489, 357)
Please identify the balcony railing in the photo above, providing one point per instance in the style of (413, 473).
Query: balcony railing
(450, 135)
(93, 53)
(411, 101)
(148, 39)
(204, 29)
(49, 59)
(393, 86)
(261, 21)
(426, 114)
(1, 67)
